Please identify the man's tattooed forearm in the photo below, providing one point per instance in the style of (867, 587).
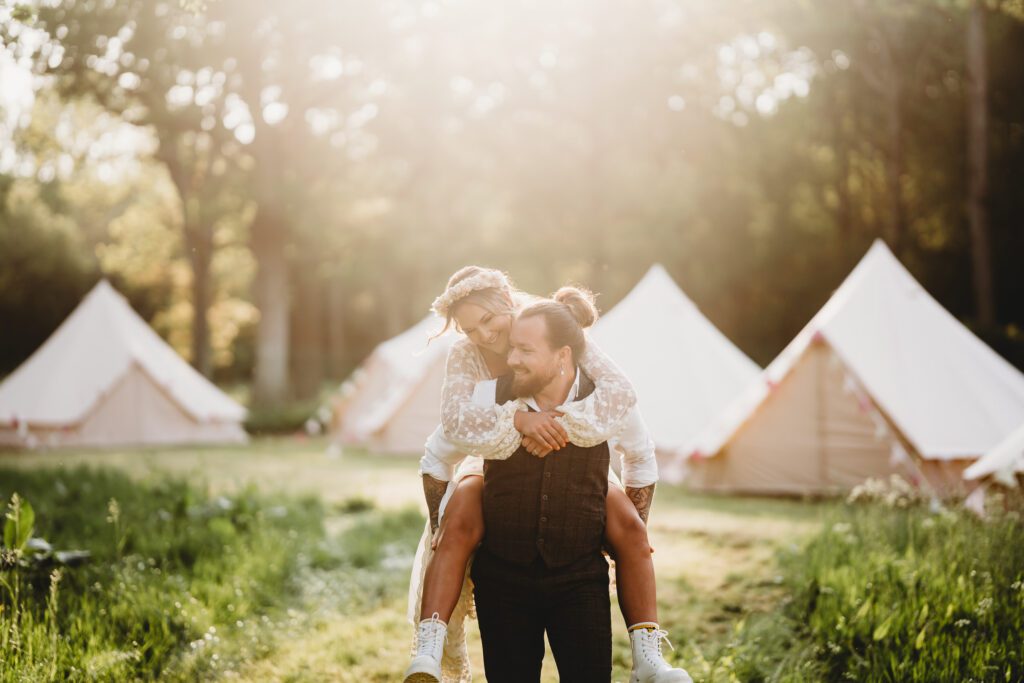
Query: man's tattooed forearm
(642, 499)
(433, 491)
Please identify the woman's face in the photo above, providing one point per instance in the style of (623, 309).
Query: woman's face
(485, 329)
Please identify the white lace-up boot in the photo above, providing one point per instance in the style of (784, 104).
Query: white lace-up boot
(648, 664)
(426, 664)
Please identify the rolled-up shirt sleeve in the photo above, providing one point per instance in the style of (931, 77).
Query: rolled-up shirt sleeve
(636, 451)
(440, 456)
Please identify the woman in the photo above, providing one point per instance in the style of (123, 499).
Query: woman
(481, 302)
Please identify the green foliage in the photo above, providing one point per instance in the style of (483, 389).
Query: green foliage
(22, 13)
(284, 419)
(358, 504)
(44, 270)
(18, 526)
(561, 155)
(183, 582)
(894, 594)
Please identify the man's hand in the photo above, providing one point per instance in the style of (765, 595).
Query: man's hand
(535, 447)
(542, 428)
(642, 499)
(433, 491)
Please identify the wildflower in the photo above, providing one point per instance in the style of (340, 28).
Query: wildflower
(113, 511)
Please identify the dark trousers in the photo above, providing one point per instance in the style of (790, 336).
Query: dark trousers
(515, 606)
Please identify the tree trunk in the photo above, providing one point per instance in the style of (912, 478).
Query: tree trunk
(977, 162)
(894, 162)
(334, 309)
(844, 206)
(271, 293)
(198, 240)
(199, 244)
(307, 333)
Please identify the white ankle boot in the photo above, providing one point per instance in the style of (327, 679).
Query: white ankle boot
(648, 664)
(426, 664)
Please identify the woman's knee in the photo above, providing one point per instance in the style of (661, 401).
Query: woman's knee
(465, 530)
(463, 521)
(626, 532)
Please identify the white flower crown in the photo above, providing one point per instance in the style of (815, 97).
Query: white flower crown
(486, 279)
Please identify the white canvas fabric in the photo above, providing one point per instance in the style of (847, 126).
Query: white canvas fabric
(105, 356)
(926, 380)
(1003, 462)
(396, 395)
(684, 369)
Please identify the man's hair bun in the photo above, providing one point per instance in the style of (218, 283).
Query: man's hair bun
(581, 302)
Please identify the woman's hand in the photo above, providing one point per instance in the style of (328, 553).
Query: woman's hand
(542, 428)
(535, 447)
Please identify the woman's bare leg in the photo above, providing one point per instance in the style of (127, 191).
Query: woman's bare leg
(462, 529)
(626, 535)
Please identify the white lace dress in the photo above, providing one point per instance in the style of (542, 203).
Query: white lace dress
(487, 431)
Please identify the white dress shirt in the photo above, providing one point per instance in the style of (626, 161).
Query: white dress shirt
(632, 442)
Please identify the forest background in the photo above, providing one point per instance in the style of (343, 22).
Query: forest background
(277, 187)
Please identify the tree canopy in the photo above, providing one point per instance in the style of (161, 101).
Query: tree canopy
(298, 180)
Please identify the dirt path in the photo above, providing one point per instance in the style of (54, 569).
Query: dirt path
(715, 564)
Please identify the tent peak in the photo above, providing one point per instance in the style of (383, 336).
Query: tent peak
(103, 285)
(657, 268)
(105, 290)
(658, 278)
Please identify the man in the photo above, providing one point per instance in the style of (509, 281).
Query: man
(540, 568)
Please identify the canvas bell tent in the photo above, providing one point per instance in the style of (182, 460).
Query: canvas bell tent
(683, 368)
(1003, 463)
(882, 380)
(104, 378)
(393, 401)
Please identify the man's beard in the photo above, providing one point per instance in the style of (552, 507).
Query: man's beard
(531, 384)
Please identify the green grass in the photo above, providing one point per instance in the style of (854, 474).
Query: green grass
(300, 574)
(291, 465)
(340, 612)
(892, 594)
(182, 584)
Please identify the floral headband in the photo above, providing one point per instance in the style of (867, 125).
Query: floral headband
(486, 279)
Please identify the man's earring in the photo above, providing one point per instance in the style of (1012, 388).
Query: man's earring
(561, 370)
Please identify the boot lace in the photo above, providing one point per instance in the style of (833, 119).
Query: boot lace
(652, 645)
(428, 637)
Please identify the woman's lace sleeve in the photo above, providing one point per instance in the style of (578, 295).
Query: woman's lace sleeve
(487, 431)
(599, 416)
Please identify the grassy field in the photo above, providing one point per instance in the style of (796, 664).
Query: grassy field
(289, 465)
(745, 585)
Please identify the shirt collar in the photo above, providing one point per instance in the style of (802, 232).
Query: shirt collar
(574, 391)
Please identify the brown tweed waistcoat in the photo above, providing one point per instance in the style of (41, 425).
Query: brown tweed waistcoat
(553, 507)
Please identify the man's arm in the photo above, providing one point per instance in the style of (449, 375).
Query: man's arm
(639, 467)
(441, 456)
(433, 491)
(642, 499)
(436, 466)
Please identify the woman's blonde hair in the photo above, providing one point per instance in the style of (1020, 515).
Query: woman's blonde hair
(498, 299)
